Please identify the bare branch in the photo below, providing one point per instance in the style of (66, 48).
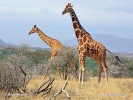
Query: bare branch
(62, 90)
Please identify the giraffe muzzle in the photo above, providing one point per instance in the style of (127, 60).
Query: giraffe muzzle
(29, 33)
(63, 12)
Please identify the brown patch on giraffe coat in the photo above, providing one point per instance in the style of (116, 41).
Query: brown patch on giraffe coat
(77, 33)
(75, 25)
(92, 51)
(73, 19)
(82, 33)
(78, 48)
(80, 42)
(98, 48)
(84, 38)
(81, 48)
(92, 46)
(85, 46)
(88, 48)
(95, 51)
(88, 44)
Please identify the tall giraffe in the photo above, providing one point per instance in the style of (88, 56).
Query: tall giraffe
(55, 47)
(87, 47)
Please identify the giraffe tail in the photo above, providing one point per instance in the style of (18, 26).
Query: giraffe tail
(116, 57)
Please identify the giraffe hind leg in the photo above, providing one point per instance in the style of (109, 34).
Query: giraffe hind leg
(105, 70)
(75, 70)
(59, 71)
(99, 74)
(47, 69)
(99, 70)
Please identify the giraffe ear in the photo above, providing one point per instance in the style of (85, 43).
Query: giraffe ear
(34, 26)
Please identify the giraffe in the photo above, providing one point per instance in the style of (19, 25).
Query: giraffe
(55, 47)
(87, 47)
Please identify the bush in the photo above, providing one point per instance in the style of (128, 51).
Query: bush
(12, 76)
(65, 60)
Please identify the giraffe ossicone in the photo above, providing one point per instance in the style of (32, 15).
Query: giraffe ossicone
(34, 26)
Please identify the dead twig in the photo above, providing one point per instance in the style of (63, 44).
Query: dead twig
(62, 90)
(23, 71)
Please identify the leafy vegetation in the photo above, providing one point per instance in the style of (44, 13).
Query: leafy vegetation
(4, 52)
(36, 59)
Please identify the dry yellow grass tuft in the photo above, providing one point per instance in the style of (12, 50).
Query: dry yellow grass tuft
(117, 89)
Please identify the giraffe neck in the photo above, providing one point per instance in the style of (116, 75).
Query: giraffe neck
(45, 38)
(79, 30)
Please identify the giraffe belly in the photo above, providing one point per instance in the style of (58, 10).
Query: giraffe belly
(97, 54)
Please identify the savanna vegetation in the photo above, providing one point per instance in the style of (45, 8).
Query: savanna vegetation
(22, 75)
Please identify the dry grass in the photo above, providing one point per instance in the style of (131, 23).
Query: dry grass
(117, 89)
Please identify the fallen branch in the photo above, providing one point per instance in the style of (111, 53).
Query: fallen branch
(62, 90)
(47, 88)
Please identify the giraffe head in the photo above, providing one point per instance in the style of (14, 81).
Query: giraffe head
(34, 30)
(68, 9)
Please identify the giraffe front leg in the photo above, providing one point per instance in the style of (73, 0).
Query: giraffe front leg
(83, 72)
(80, 72)
(82, 64)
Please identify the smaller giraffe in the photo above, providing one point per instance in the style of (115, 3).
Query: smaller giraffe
(53, 43)
(55, 47)
(87, 46)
